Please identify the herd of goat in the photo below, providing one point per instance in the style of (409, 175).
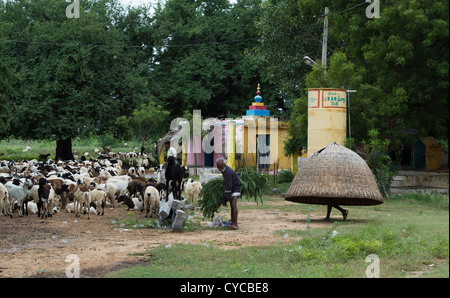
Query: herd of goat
(88, 186)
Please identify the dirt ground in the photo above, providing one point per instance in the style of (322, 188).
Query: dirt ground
(31, 247)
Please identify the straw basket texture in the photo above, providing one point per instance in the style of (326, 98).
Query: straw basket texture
(334, 174)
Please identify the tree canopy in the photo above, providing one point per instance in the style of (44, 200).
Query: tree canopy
(66, 77)
(398, 63)
(201, 59)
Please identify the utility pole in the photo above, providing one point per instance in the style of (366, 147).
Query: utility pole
(325, 40)
(348, 112)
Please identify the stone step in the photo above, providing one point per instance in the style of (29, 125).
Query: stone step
(424, 190)
(420, 179)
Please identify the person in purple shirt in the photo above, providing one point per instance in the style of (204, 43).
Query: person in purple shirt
(232, 190)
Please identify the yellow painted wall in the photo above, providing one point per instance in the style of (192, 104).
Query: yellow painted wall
(433, 153)
(161, 155)
(231, 145)
(184, 154)
(276, 147)
(327, 118)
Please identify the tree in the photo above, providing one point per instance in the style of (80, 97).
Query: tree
(149, 122)
(6, 79)
(75, 76)
(398, 62)
(201, 61)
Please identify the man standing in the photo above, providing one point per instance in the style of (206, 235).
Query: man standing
(170, 151)
(232, 190)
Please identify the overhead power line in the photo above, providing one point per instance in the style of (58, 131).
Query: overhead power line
(124, 46)
(345, 10)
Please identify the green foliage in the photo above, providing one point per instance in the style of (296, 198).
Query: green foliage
(201, 58)
(6, 79)
(376, 154)
(430, 200)
(401, 78)
(147, 122)
(108, 140)
(75, 76)
(368, 240)
(211, 197)
(285, 176)
(444, 143)
(254, 184)
(284, 39)
(439, 247)
(297, 140)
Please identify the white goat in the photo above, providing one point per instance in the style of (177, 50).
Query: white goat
(141, 171)
(81, 195)
(99, 197)
(18, 192)
(47, 200)
(111, 190)
(192, 190)
(4, 201)
(138, 204)
(32, 207)
(70, 207)
(120, 183)
(132, 171)
(161, 175)
(151, 201)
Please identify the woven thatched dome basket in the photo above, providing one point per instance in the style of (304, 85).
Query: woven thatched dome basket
(334, 173)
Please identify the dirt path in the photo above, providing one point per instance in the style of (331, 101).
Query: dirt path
(31, 247)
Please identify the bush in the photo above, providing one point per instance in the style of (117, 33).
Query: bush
(285, 176)
(376, 154)
(108, 140)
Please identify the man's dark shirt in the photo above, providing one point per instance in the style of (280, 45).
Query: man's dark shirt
(232, 182)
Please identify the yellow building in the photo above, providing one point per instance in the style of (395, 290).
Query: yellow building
(257, 139)
(263, 143)
(263, 138)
